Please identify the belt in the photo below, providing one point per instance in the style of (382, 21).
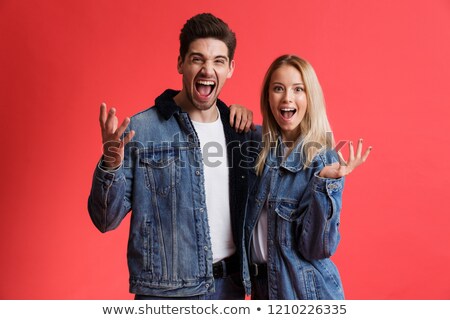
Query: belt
(225, 267)
(258, 270)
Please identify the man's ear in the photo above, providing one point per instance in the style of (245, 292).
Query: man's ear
(180, 65)
(230, 73)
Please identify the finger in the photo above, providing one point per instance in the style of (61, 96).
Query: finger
(237, 122)
(109, 124)
(122, 127)
(232, 115)
(243, 124)
(351, 152)
(366, 154)
(341, 159)
(128, 137)
(103, 115)
(115, 123)
(248, 126)
(249, 123)
(359, 149)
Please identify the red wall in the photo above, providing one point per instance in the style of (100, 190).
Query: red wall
(384, 67)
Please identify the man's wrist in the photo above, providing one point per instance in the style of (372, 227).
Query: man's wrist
(108, 167)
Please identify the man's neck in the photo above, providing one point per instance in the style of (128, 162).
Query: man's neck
(209, 115)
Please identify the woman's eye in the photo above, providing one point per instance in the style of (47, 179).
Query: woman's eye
(278, 89)
(299, 89)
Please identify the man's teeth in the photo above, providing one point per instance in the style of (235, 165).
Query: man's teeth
(206, 83)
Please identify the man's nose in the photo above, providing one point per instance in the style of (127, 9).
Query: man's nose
(208, 69)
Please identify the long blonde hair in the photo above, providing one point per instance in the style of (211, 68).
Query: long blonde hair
(315, 131)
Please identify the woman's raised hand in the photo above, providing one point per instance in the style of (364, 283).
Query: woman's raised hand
(342, 168)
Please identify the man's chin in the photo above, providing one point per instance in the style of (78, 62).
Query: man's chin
(204, 106)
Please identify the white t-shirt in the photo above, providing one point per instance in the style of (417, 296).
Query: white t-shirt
(259, 240)
(215, 163)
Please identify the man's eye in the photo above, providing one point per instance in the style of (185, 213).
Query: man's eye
(220, 61)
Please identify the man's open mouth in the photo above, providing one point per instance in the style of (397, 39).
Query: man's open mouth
(288, 113)
(204, 87)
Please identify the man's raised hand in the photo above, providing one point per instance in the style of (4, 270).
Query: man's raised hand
(113, 145)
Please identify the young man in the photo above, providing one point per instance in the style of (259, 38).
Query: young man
(180, 176)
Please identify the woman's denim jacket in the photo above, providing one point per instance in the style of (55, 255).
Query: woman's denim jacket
(303, 225)
(161, 181)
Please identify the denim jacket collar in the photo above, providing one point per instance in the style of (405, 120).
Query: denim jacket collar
(296, 159)
(293, 162)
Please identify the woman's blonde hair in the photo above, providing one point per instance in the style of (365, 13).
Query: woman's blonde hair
(315, 131)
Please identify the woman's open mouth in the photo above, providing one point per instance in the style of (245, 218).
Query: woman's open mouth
(287, 113)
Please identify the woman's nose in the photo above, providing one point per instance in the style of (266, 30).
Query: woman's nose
(288, 96)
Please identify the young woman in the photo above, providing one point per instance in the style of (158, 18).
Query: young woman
(292, 221)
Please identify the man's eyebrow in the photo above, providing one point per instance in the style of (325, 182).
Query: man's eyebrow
(221, 57)
(194, 53)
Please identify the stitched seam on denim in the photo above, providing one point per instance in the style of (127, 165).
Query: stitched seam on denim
(105, 205)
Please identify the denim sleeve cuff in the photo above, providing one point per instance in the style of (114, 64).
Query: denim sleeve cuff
(105, 174)
(327, 184)
(106, 169)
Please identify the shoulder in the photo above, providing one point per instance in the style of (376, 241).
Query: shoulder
(144, 115)
(255, 135)
(223, 109)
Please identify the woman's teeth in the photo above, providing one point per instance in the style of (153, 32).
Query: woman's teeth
(287, 113)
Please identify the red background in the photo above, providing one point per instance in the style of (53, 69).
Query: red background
(384, 67)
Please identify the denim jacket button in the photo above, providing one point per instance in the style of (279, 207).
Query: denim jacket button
(205, 248)
(201, 209)
(332, 186)
(197, 172)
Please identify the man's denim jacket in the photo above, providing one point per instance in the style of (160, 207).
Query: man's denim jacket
(303, 225)
(161, 181)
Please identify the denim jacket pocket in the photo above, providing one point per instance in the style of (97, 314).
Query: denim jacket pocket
(287, 216)
(158, 158)
(287, 210)
(161, 170)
